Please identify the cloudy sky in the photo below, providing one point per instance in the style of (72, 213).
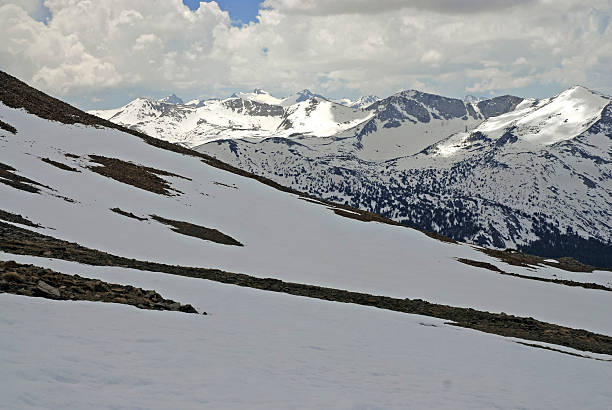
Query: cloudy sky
(103, 53)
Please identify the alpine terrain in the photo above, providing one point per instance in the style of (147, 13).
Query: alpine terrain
(505, 172)
(113, 244)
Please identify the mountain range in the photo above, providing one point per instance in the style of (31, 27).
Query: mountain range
(504, 172)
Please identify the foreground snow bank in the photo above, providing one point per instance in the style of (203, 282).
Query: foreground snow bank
(266, 350)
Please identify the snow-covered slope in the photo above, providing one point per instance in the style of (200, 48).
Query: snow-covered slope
(265, 351)
(284, 236)
(259, 95)
(106, 189)
(409, 121)
(319, 117)
(513, 173)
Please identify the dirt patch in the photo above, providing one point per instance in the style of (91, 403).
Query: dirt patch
(486, 265)
(479, 264)
(7, 127)
(30, 280)
(18, 219)
(69, 155)
(225, 185)
(128, 214)
(515, 258)
(24, 242)
(8, 176)
(59, 165)
(139, 176)
(197, 231)
(366, 216)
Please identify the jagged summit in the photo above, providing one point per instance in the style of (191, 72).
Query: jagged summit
(362, 102)
(172, 99)
(473, 99)
(298, 97)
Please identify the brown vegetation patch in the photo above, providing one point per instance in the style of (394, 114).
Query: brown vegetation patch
(515, 258)
(59, 165)
(197, 231)
(30, 280)
(138, 176)
(479, 264)
(7, 127)
(21, 241)
(486, 265)
(10, 178)
(128, 214)
(366, 216)
(18, 219)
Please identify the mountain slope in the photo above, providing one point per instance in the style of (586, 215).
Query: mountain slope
(81, 195)
(409, 121)
(319, 117)
(80, 175)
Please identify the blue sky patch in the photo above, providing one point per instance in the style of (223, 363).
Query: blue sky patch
(240, 11)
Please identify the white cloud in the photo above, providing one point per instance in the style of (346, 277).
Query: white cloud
(326, 7)
(520, 61)
(104, 47)
(432, 57)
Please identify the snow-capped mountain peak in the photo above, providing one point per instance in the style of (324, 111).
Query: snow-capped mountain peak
(319, 117)
(171, 99)
(535, 122)
(258, 95)
(299, 97)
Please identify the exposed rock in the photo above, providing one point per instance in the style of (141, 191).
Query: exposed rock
(8, 127)
(15, 218)
(59, 165)
(48, 290)
(30, 280)
(128, 214)
(197, 231)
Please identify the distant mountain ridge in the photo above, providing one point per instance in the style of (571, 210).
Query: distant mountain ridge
(534, 175)
(506, 171)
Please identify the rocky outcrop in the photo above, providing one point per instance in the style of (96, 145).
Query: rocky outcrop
(30, 280)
